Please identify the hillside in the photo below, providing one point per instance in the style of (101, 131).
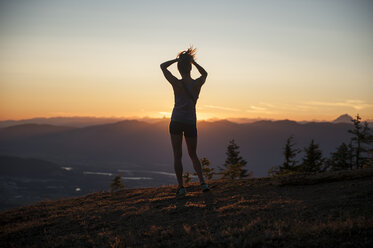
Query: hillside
(327, 210)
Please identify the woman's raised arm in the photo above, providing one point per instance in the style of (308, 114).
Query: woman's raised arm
(167, 64)
(167, 74)
(200, 69)
(202, 79)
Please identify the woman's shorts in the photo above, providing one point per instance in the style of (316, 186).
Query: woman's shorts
(190, 130)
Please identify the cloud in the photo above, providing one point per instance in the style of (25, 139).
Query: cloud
(222, 108)
(260, 109)
(257, 108)
(163, 114)
(355, 104)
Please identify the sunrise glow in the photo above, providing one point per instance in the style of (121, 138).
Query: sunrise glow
(300, 60)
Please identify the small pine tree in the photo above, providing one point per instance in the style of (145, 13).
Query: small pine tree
(234, 162)
(361, 137)
(187, 177)
(290, 164)
(206, 170)
(233, 171)
(341, 159)
(313, 160)
(289, 153)
(116, 183)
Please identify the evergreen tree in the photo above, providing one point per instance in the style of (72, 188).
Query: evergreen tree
(341, 159)
(187, 177)
(206, 170)
(234, 163)
(116, 183)
(233, 171)
(290, 163)
(361, 137)
(289, 153)
(313, 160)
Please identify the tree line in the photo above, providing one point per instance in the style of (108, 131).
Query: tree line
(354, 155)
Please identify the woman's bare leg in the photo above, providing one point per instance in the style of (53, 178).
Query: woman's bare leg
(176, 140)
(192, 150)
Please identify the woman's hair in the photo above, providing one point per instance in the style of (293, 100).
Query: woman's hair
(185, 60)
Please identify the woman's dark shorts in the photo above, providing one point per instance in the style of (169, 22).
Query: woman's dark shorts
(190, 130)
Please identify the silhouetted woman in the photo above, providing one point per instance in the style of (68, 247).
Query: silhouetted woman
(183, 119)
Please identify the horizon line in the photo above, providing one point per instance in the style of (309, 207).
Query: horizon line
(232, 119)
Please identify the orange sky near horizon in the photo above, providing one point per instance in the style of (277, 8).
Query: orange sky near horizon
(299, 60)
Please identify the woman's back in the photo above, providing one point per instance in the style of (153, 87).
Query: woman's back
(186, 92)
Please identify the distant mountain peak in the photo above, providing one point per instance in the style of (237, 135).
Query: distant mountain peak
(343, 119)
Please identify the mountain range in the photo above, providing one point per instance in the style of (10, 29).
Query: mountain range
(83, 121)
(43, 161)
(133, 144)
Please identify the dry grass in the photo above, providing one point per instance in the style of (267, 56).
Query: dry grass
(334, 212)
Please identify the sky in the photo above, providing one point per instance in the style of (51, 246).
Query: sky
(288, 59)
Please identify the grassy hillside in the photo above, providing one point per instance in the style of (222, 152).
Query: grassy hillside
(329, 210)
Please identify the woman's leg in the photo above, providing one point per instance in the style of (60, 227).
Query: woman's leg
(192, 150)
(176, 140)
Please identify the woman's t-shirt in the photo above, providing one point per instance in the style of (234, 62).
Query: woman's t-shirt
(185, 108)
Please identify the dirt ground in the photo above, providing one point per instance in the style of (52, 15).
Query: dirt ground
(332, 210)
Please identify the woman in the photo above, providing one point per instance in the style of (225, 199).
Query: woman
(183, 119)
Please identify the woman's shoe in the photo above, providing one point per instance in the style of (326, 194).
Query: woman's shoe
(180, 192)
(205, 187)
